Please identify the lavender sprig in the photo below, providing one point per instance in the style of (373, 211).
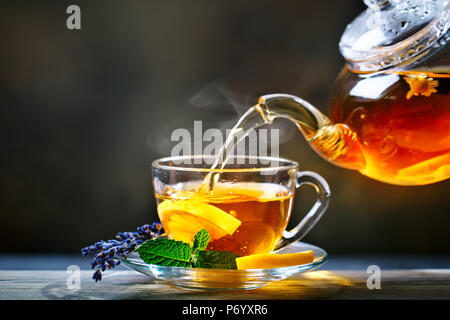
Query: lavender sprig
(107, 254)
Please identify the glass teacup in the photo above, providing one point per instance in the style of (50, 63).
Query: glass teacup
(248, 208)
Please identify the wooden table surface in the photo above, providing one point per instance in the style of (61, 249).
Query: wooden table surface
(403, 277)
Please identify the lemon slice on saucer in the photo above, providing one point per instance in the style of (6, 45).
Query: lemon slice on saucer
(182, 219)
(274, 260)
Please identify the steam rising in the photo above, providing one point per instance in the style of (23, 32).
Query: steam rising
(220, 108)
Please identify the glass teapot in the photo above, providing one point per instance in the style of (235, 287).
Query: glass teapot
(390, 109)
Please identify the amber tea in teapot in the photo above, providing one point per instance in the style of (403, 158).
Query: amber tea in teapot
(402, 121)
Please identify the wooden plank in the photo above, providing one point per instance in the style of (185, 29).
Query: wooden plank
(395, 284)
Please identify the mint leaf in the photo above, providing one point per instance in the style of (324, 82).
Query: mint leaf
(166, 252)
(214, 259)
(201, 240)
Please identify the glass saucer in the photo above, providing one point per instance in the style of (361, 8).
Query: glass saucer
(218, 279)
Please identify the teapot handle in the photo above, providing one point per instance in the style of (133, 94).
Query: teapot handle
(314, 214)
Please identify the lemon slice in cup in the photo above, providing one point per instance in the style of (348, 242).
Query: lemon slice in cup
(182, 219)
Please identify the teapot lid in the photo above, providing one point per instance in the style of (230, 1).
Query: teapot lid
(390, 32)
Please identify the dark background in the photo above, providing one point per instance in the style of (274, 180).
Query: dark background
(83, 114)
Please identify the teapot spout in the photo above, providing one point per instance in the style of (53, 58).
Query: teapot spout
(336, 143)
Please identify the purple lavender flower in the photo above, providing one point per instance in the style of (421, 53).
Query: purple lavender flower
(107, 254)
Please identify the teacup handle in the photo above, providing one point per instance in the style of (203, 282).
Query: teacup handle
(314, 214)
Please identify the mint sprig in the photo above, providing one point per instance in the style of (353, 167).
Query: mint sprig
(166, 252)
(214, 259)
(169, 252)
(201, 240)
